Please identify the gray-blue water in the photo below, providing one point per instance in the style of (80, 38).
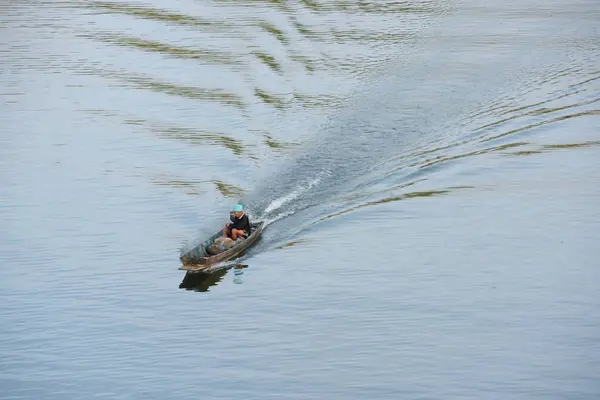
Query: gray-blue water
(429, 171)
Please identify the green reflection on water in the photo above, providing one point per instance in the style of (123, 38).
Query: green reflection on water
(411, 195)
(313, 5)
(277, 144)
(194, 187)
(542, 123)
(383, 7)
(188, 91)
(184, 134)
(353, 36)
(308, 64)
(570, 145)
(365, 194)
(274, 31)
(268, 60)
(537, 112)
(319, 101)
(212, 57)
(553, 147)
(155, 14)
(304, 30)
(228, 190)
(192, 136)
(145, 82)
(269, 98)
(197, 136)
(291, 244)
(442, 159)
(280, 3)
(190, 187)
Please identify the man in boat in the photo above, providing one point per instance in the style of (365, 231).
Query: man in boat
(239, 226)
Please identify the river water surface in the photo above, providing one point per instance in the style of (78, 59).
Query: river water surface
(429, 172)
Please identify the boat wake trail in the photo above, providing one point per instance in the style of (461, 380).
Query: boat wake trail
(279, 202)
(414, 119)
(283, 206)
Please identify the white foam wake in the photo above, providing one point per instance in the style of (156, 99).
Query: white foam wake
(277, 203)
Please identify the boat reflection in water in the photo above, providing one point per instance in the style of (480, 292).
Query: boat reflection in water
(202, 281)
(238, 272)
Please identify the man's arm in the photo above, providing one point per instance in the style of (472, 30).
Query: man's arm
(247, 227)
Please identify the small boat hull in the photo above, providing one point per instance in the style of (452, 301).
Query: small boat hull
(199, 259)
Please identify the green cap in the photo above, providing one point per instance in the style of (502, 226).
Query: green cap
(238, 208)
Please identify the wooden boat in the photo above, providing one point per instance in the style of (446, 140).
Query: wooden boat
(198, 259)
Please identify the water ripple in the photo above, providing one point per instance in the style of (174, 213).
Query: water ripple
(427, 169)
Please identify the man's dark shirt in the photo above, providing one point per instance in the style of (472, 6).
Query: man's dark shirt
(241, 223)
